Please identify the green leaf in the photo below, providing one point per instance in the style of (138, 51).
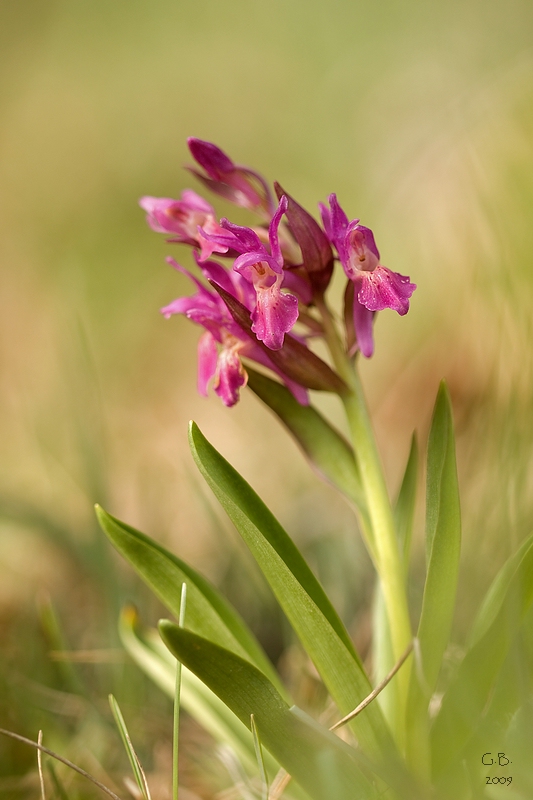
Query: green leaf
(463, 705)
(443, 541)
(404, 511)
(443, 545)
(298, 746)
(495, 597)
(208, 613)
(198, 700)
(136, 767)
(303, 600)
(326, 449)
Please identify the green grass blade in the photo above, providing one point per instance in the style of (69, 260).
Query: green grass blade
(137, 770)
(58, 786)
(404, 511)
(177, 694)
(443, 544)
(297, 746)
(495, 597)
(297, 590)
(53, 631)
(328, 451)
(260, 760)
(208, 612)
(196, 698)
(466, 699)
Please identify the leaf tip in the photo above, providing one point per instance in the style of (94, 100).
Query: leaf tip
(194, 432)
(101, 515)
(164, 626)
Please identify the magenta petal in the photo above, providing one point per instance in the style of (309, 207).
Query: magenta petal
(273, 230)
(230, 377)
(156, 216)
(217, 273)
(383, 288)
(196, 202)
(179, 306)
(363, 322)
(207, 361)
(338, 219)
(245, 239)
(274, 315)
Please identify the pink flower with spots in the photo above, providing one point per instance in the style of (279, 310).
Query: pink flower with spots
(186, 220)
(376, 287)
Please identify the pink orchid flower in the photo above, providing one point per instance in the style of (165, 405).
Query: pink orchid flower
(185, 220)
(376, 286)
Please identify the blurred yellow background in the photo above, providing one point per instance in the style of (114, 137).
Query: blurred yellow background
(418, 114)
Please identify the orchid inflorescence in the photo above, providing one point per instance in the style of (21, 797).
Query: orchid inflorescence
(277, 276)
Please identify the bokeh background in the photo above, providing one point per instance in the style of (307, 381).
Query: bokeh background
(420, 116)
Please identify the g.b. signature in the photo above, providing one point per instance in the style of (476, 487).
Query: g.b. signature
(501, 759)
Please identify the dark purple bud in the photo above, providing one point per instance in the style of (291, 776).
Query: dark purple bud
(215, 162)
(316, 250)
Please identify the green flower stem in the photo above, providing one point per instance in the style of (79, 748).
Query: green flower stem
(385, 544)
(389, 564)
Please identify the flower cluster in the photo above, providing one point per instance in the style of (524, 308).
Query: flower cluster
(272, 276)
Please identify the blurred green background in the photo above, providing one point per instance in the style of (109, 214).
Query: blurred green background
(420, 116)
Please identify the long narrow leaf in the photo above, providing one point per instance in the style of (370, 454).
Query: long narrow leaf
(208, 612)
(443, 544)
(297, 590)
(443, 541)
(495, 597)
(299, 747)
(465, 700)
(137, 770)
(404, 511)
